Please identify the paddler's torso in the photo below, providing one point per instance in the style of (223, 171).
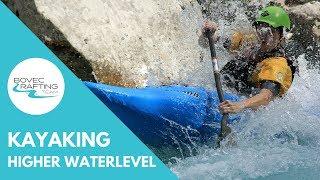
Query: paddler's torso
(251, 66)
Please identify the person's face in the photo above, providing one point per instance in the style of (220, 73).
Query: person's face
(268, 36)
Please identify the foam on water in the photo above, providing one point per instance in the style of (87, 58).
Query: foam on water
(277, 141)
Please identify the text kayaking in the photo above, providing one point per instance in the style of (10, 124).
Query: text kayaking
(55, 139)
(20, 140)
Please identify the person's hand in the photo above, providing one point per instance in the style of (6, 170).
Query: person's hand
(231, 107)
(209, 26)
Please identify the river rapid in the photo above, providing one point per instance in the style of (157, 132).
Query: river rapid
(281, 141)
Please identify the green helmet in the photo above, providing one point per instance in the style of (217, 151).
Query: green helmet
(274, 16)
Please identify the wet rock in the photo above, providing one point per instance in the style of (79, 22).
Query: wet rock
(305, 30)
(308, 15)
(49, 34)
(126, 42)
(296, 2)
(316, 28)
(308, 11)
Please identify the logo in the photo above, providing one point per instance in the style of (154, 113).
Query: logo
(36, 86)
(265, 13)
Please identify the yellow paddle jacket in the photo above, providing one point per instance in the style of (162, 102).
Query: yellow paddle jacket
(273, 68)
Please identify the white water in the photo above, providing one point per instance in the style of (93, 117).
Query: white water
(281, 141)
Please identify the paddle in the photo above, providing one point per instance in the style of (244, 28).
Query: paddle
(225, 129)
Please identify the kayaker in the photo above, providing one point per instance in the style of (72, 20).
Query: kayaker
(262, 72)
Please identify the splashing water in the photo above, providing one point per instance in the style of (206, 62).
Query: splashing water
(280, 141)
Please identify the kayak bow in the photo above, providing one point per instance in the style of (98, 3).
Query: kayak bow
(166, 114)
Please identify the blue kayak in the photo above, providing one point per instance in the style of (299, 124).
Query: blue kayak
(165, 115)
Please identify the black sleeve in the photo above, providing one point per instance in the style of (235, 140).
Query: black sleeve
(274, 87)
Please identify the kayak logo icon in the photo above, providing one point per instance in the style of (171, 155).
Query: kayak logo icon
(36, 86)
(265, 13)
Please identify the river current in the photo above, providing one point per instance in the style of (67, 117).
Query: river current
(281, 141)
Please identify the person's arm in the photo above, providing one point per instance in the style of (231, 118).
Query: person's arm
(268, 92)
(261, 99)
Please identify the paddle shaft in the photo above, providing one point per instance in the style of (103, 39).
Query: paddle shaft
(225, 129)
